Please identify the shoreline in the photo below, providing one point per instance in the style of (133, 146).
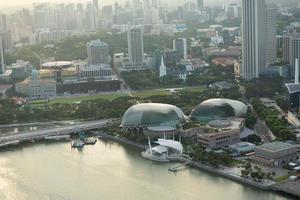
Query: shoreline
(274, 187)
(200, 166)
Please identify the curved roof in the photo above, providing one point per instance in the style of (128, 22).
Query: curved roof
(153, 114)
(214, 109)
(170, 144)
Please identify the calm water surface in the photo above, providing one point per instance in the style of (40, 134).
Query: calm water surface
(107, 171)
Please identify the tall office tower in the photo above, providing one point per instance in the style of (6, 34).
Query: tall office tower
(294, 49)
(26, 17)
(2, 69)
(135, 46)
(98, 52)
(253, 35)
(91, 19)
(200, 4)
(286, 49)
(96, 4)
(3, 23)
(271, 50)
(107, 12)
(155, 3)
(180, 46)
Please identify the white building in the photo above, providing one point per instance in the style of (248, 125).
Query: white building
(162, 68)
(135, 47)
(271, 41)
(35, 88)
(98, 52)
(98, 72)
(253, 34)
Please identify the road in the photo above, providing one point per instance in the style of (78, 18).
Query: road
(263, 131)
(40, 134)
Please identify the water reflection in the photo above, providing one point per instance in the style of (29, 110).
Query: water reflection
(107, 171)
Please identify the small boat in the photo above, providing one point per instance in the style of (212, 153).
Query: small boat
(77, 144)
(90, 141)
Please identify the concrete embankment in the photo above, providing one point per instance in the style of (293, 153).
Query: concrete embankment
(120, 139)
(196, 165)
(231, 176)
(288, 187)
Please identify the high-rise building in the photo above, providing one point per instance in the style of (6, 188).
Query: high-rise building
(98, 52)
(200, 4)
(2, 69)
(180, 46)
(271, 50)
(107, 12)
(135, 46)
(286, 49)
(253, 35)
(294, 49)
(96, 4)
(91, 17)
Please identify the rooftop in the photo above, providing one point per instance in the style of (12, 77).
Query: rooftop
(293, 87)
(276, 146)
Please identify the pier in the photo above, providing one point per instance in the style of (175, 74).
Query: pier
(177, 167)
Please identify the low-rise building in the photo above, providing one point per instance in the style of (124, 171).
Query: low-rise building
(99, 72)
(218, 133)
(275, 154)
(35, 88)
(224, 61)
(241, 148)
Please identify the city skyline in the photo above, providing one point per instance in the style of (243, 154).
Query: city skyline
(21, 3)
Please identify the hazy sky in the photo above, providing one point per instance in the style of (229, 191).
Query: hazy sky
(20, 3)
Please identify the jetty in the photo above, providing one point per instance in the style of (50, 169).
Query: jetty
(179, 166)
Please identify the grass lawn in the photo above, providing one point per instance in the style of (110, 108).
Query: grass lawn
(281, 178)
(78, 99)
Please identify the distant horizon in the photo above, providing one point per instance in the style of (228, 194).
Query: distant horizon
(28, 3)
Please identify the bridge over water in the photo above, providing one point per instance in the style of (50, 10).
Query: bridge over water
(55, 131)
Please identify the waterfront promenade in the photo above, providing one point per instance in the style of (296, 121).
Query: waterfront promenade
(226, 172)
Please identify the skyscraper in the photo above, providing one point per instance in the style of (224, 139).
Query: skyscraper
(200, 4)
(135, 46)
(91, 17)
(294, 49)
(271, 50)
(96, 4)
(286, 49)
(98, 52)
(253, 34)
(180, 46)
(2, 69)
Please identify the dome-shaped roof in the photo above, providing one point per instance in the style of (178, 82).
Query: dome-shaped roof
(214, 109)
(153, 114)
(35, 74)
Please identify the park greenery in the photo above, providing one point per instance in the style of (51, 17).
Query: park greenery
(101, 106)
(198, 153)
(255, 172)
(148, 79)
(278, 125)
(254, 139)
(250, 119)
(264, 87)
